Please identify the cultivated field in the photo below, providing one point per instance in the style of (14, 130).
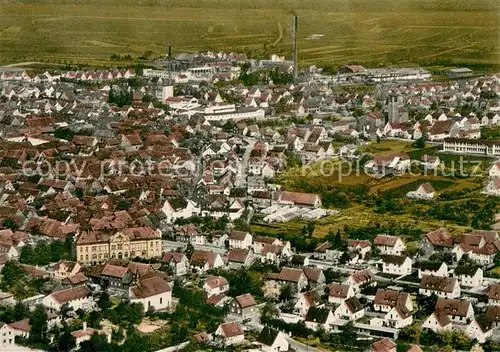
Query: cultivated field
(371, 32)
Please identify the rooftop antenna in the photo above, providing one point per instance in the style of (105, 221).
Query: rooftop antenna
(294, 46)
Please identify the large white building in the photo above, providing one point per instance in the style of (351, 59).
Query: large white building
(471, 146)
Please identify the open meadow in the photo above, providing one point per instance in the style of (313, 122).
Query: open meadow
(371, 32)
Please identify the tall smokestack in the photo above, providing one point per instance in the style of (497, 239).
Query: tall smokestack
(169, 52)
(294, 48)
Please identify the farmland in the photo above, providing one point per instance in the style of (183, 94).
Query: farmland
(436, 34)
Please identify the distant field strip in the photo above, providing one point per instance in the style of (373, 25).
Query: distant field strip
(370, 32)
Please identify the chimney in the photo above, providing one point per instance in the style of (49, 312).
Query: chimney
(294, 46)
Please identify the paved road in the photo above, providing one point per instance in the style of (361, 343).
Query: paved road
(241, 177)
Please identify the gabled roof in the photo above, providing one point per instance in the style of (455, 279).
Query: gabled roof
(65, 296)
(437, 283)
(231, 329)
(267, 336)
(149, 287)
(317, 315)
(245, 301)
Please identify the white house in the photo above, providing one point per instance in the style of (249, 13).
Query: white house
(438, 321)
(363, 247)
(215, 285)
(396, 265)
(360, 279)
(272, 340)
(433, 268)
(77, 298)
(178, 262)
(350, 309)
(398, 317)
(319, 317)
(494, 171)
(7, 337)
(480, 330)
(339, 293)
(389, 244)
(307, 300)
(445, 287)
(424, 192)
(459, 312)
(230, 333)
(494, 295)
(240, 240)
(177, 208)
(469, 275)
(66, 268)
(153, 292)
(202, 261)
(386, 300)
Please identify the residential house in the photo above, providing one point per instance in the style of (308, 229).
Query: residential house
(230, 333)
(481, 246)
(386, 300)
(177, 262)
(65, 268)
(361, 279)
(432, 268)
(438, 321)
(494, 295)
(238, 258)
(338, 293)
(459, 312)
(384, 345)
(391, 245)
(240, 240)
(362, 247)
(424, 192)
(8, 335)
(307, 300)
(319, 318)
(153, 292)
(302, 200)
(437, 240)
(244, 306)
(314, 275)
(296, 277)
(76, 297)
(272, 340)
(479, 329)
(202, 261)
(445, 287)
(215, 285)
(396, 265)
(469, 275)
(350, 309)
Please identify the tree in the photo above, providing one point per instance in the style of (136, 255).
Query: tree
(419, 143)
(269, 311)
(66, 341)
(20, 312)
(38, 322)
(10, 224)
(94, 319)
(189, 250)
(104, 302)
(286, 292)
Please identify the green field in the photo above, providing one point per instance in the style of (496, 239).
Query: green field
(371, 32)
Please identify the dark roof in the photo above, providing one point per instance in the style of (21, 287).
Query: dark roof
(353, 304)
(430, 265)
(394, 259)
(267, 336)
(317, 315)
(468, 270)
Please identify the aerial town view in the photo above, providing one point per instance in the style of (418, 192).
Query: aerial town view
(228, 175)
